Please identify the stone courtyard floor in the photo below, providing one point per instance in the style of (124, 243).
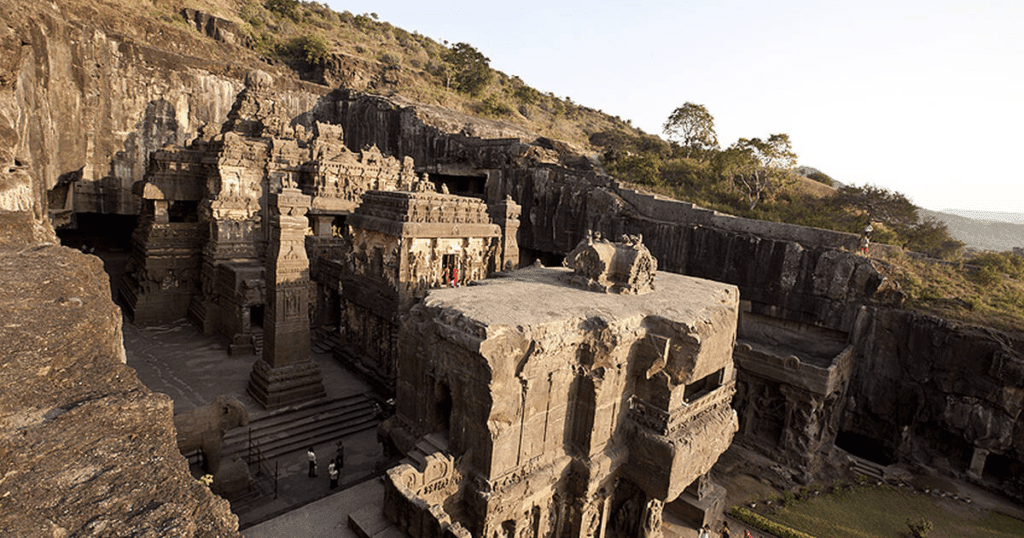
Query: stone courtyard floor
(193, 369)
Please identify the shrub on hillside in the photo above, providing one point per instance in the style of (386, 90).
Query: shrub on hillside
(492, 105)
(312, 48)
(760, 522)
(291, 9)
(919, 528)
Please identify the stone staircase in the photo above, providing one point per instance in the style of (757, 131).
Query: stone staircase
(257, 341)
(325, 341)
(293, 429)
(428, 444)
(870, 469)
(369, 521)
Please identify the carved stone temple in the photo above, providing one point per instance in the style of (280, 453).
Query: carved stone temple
(266, 231)
(403, 244)
(532, 405)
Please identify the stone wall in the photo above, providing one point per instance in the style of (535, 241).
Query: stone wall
(85, 448)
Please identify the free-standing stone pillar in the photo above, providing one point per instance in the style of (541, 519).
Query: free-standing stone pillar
(286, 375)
(977, 463)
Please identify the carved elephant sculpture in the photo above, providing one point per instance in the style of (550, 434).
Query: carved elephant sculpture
(203, 428)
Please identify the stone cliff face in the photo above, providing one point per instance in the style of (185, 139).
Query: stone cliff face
(85, 448)
(936, 392)
(81, 102)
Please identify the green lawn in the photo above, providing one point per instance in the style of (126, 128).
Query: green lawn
(881, 512)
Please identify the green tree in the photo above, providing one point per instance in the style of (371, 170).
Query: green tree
(758, 168)
(931, 237)
(903, 225)
(286, 8)
(879, 205)
(465, 69)
(644, 168)
(693, 127)
(313, 48)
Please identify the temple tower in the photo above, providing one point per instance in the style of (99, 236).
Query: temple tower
(285, 374)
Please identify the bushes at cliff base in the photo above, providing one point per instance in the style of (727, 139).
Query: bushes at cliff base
(760, 522)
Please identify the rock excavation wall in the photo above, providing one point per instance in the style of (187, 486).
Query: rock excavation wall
(85, 448)
(83, 105)
(935, 392)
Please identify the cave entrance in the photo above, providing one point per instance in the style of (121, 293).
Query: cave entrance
(548, 259)
(474, 186)
(1000, 468)
(865, 447)
(106, 236)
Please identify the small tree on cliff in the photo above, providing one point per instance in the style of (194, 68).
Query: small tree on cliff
(465, 69)
(901, 223)
(693, 127)
(758, 168)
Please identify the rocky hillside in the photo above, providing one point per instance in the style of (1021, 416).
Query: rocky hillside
(85, 448)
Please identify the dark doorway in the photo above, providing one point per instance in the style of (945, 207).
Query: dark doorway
(1001, 468)
(449, 270)
(703, 386)
(474, 186)
(183, 211)
(256, 315)
(865, 447)
(107, 236)
(444, 408)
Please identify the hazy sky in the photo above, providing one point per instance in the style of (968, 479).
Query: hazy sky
(923, 97)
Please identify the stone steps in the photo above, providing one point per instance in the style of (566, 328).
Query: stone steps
(861, 466)
(428, 444)
(257, 341)
(292, 430)
(369, 522)
(325, 342)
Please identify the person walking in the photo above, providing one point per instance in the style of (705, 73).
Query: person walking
(311, 456)
(725, 529)
(332, 471)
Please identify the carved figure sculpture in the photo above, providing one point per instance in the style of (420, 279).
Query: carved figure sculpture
(652, 519)
(203, 428)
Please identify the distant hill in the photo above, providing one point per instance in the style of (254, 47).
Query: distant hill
(987, 216)
(988, 234)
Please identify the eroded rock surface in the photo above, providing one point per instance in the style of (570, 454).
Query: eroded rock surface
(85, 448)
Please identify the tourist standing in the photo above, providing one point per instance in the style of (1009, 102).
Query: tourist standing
(339, 455)
(311, 456)
(332, 471)
(705, 532)
(725, 529)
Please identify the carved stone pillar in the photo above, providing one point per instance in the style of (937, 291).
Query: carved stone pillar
(506, 215)
(286, 375)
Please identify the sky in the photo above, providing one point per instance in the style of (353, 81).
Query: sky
(921, 97)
